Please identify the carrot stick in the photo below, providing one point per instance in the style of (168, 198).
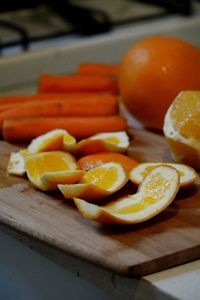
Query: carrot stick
(4, 107)
(25, 129)
(89, 68)
(80, 108)
(8, 102)
(78, 83)
(5, 100)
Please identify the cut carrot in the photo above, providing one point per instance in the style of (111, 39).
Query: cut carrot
(25, 129)
(78, 83)
(80, 108)
(6, 100)
(89, 68)
(4, 107)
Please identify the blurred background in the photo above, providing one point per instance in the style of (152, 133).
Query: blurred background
(33, 24)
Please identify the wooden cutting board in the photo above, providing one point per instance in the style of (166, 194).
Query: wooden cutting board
(169, 239)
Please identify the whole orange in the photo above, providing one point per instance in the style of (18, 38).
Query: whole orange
(152, 72)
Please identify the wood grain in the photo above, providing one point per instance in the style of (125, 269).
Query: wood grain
(169, 239)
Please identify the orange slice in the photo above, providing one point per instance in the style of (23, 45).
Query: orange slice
(50, 180)
(187, 174)
(47, 169)
(155, 193)
(57, 139)
(182, 128)
(94, 160)
(103, 142)
(97, 183)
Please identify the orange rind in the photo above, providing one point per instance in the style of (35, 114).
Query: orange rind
(187, 174)
(182, 128)
(155, 193)
(103, 142)
(16, 165)
(97, 183)
(57, 139)
(96, 159)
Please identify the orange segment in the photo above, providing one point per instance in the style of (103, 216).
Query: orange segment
(97, 183)
(186, 173)
(50, 180)
(57, 139)
(94, 160)
(155, 193)
(107, 141)
(110, 176)
(38, 164)
(87, 191)
(185, 114)
(182, 128)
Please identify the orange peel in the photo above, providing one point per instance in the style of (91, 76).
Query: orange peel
(155, 193)
(16, 165)
(96, 159)
(57, 139)
(187, 174)
(102, 142)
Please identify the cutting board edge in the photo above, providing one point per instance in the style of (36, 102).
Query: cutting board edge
(132, 271)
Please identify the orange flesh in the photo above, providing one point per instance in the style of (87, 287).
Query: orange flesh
(155, 190)
(186, 114)
(101, 177)
(112, 139)
(47, 163)
(68, 139)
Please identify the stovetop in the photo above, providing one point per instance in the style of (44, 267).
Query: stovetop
(21, 29)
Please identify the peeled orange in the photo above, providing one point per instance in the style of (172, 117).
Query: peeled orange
(182, 128)
(155, 193)
(97, 183)
(152, 72)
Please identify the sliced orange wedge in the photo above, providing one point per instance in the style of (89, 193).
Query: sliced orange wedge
(103, 142)
(47, 169)
(97, 183)
(50, 180)
(94, 160)
(182, 128)
(57, 139)
(155, 193)
(187, 174)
